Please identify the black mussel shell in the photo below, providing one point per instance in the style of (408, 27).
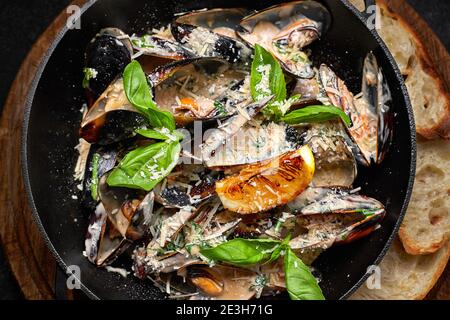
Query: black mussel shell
(112, 127)
(108, 56)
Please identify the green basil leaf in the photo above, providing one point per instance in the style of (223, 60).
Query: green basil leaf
(138, 92)
(242, 252)
(300, 283)
(284, 245)
(146, 166)
(163, 134)
(267, 78)
(152, 134)
(316, 114)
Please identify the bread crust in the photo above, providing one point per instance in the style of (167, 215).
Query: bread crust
(442, 128)
(437, 274)
(412, 248)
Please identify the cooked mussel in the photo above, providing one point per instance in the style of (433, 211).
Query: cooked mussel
(100, 160)
(122, 217)
(369, 111)
(130, 211)
(336, 218)
(199, 89)
(230, 127)
(153, 45)
(256, 141)
(110, 233)
(335, 162)
(112, 117)
(106, 56)
(285, 30)
(187, 185)
(103, 242)
(220, 282)
(211, 33)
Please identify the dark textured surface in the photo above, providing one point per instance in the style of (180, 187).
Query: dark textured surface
(24, 21)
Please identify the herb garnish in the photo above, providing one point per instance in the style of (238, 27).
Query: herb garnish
(267, 78)
(94, 176)
(146, 166)
(300, 282)
(89, 74)
(317, 113)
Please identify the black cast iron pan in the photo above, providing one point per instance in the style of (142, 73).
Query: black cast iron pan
(52, 121)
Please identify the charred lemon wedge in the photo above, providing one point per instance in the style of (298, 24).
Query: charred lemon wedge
(262, 186)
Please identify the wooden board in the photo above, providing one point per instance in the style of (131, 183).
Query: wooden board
(29, 258)
(31, 262)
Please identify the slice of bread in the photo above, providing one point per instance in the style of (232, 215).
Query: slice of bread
(429, 96)
(426, 226)
(411, 270)
(404, 276)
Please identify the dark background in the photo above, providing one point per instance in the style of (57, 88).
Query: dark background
(24, 21)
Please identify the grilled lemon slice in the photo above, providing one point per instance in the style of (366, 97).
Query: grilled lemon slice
(265, 185)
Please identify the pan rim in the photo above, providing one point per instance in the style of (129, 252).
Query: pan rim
(30, 99)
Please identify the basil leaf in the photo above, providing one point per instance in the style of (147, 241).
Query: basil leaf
(152, 134)
(280, 249)
(300, 283)
(163, 134)
(267, 78)
(139, 94)
(242, 252)
(145, 167)
(316, 114)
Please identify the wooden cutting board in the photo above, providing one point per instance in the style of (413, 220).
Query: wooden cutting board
(31, 262)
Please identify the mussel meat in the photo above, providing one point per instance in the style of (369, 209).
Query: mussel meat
(199, 89)
(220, 282)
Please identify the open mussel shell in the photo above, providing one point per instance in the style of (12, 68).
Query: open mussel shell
(187, 185)
(336, 218)
(130, 211)
(100, 160)
(255, 142)
(224, 21)
(103, 241)
(152, 45)
(112, 118)
(370, 111)
(310, 91)
(285, 30)
(193, 89)
(377, 96)
(219, 282)
(108, 54)
(335, 162)
(122, 217)
(211, 33)
(230, 127)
